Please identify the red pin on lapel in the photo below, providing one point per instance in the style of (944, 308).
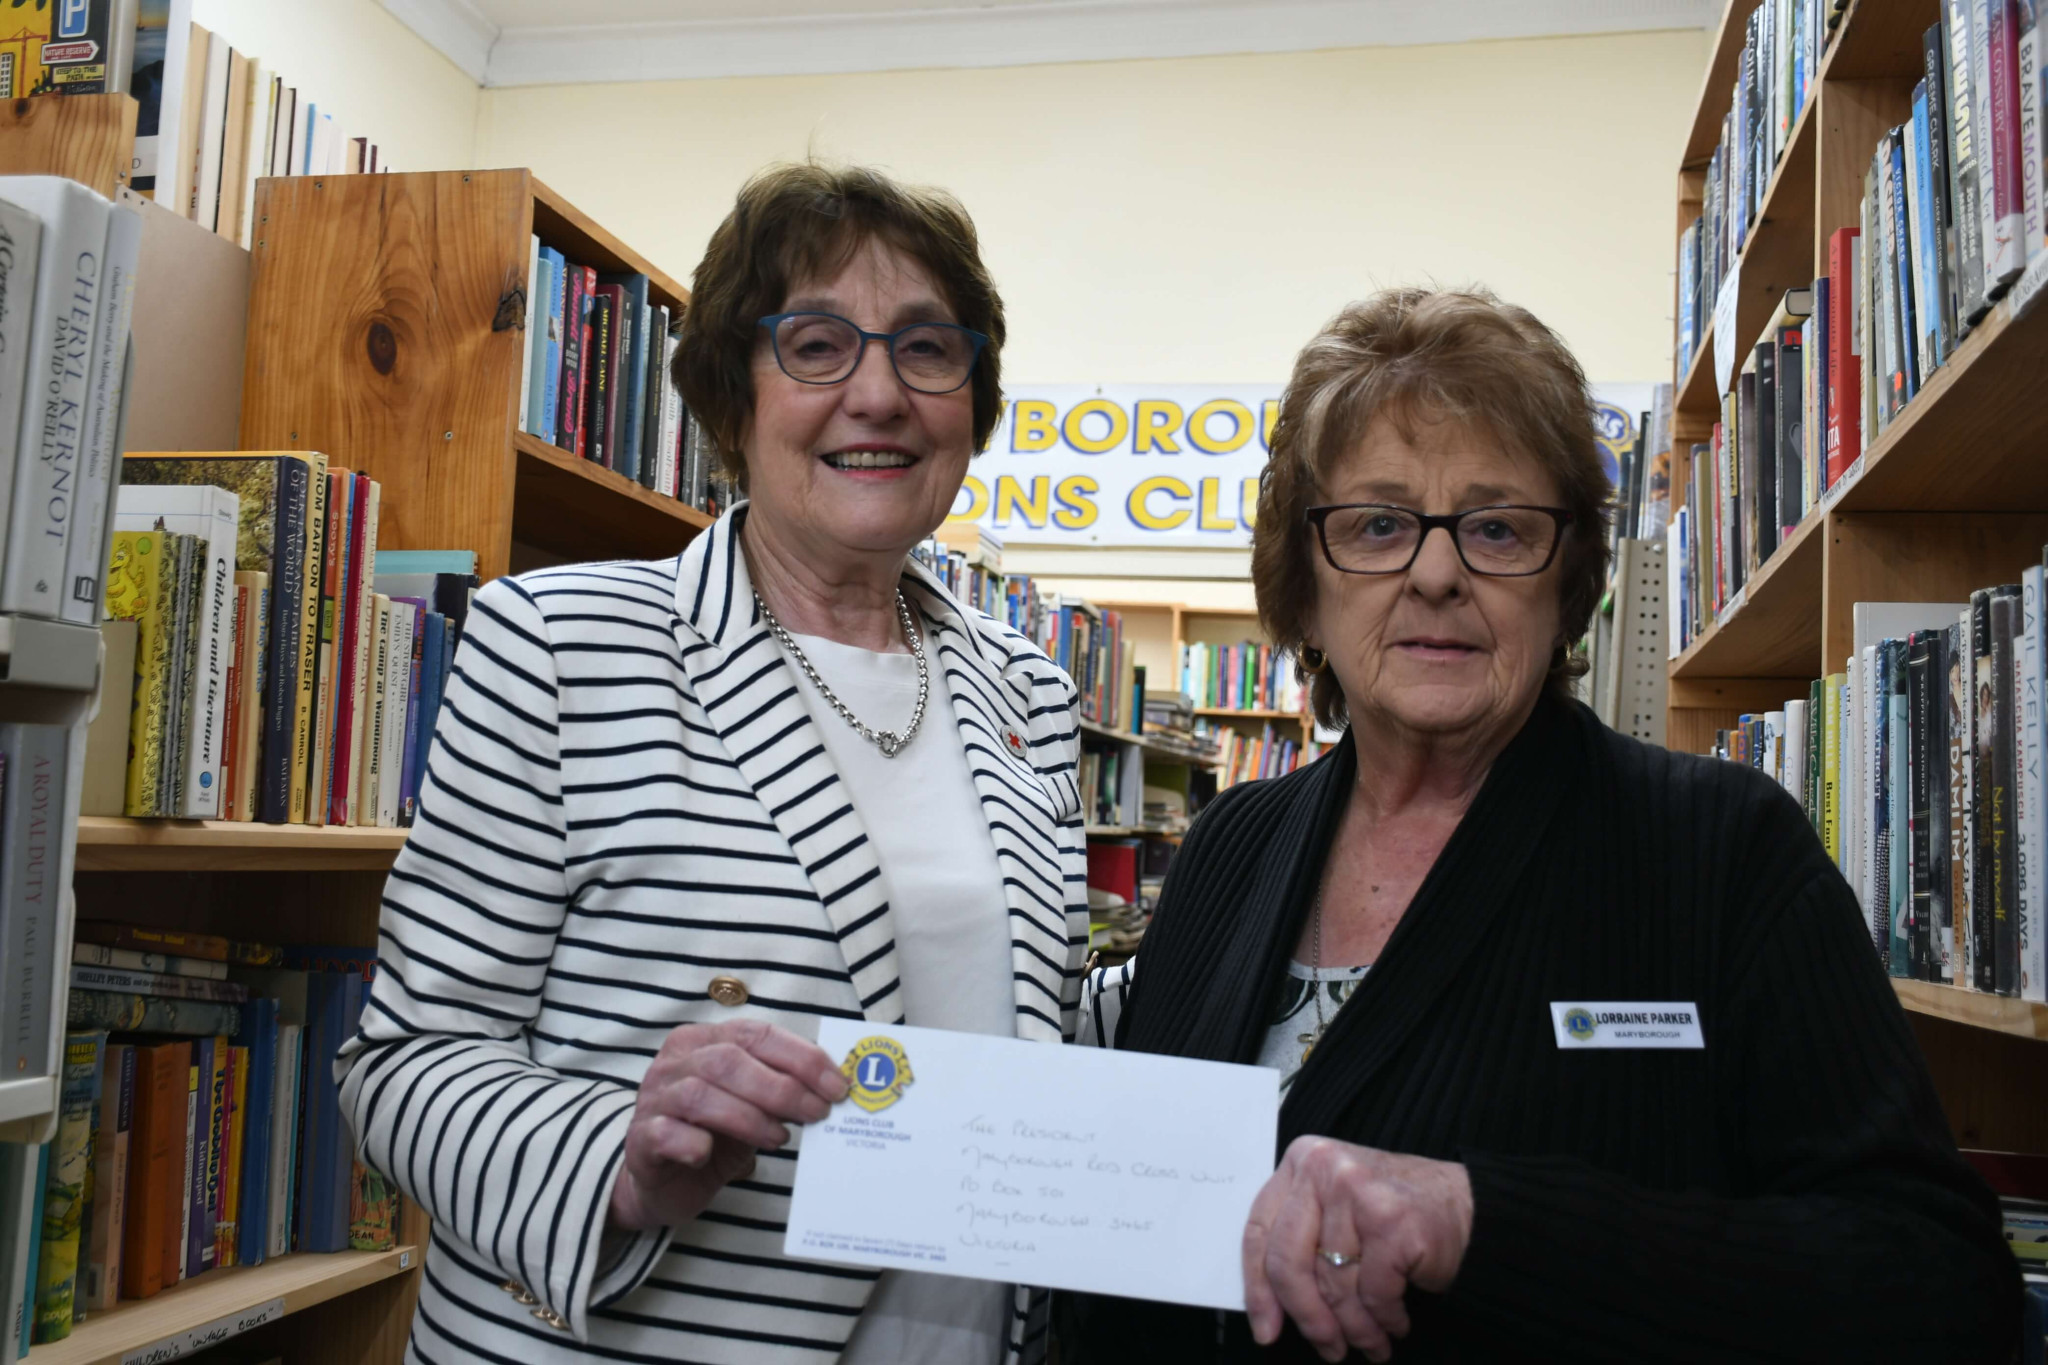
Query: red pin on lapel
(1013, 741)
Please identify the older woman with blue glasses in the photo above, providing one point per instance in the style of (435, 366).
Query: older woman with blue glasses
(678, 811)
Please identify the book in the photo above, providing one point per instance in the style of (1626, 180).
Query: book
(139, 594)
(571, 398)
(155, 1160)
(1844, 360)
(25, 1331)
(64, 1188)
(392, 722)
(2029, 796)
(1962, 796)
(234, 1131)
(334, 567)
(258, 1043)
(134, 960)
(44, 508)
(284, 1131)
(362, 611)
(1941, 208)
(210, 516)
(169, 986)
(85, 551)
(1964, 118)
(184, 553)
(530, 325)
(629, 377)
(253, 646)
(416, 614)
(2004, 844)
(373, 1210)
(433, 684)
(178, 942)
(369, 794)
(275, 490)
(306, 715)
(548, 347)
(209, 1068)
(32, 807)
(1984, 923)
(126, 1012)
(1999, 188)
(113, 1130)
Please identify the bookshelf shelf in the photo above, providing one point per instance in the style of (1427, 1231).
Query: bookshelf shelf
(2020, 1018)
(1166, 753)
(111, 843)
(301, 1281)
(586, 511)
(1133, 831)
(1776, 631)
(1246, 713)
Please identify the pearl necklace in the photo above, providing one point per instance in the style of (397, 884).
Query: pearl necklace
(890, 742)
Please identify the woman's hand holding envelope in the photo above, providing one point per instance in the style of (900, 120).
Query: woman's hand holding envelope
(1339, 1233)
(715, 1095)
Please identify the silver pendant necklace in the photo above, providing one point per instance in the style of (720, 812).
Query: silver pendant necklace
(1315, 969)
(890, 742)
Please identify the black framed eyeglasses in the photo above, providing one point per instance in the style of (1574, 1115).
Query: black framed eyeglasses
(1498, 542)
(824, 348)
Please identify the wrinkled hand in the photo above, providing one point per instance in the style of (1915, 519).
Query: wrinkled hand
(715, 1095)
(1406, 1219)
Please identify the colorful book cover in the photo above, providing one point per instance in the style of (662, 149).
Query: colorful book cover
(113, 1127)
(569, 400)
(177, 942)
(155, 1156)
(275, 489)
(306, 712)
(334, 568)
(409, 756)
(64, 1189)
(557, 298)
(208, 1067)
(600, 396)
(258, 1042)
(35, 1246)
(227, 1231)
(341, 734)
(137, 587)
(125, 1013)
(373, 1211)
(231, 734)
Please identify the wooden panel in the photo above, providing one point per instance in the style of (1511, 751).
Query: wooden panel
(580, 511)
(90, 138)
(1998, 1013)
(1918, 557)
(1775, 632)
(1718, 85)
(111, 843)
(1974, 436)
(1736, 694)
(1853, 116)
(1993, 1087)
(371, 1324)
(387, 328)
(191, 315)
(572, 232)
(303, 1282)
(1692, 730)
(1881, 38)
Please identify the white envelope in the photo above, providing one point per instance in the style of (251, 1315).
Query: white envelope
(1063, 1167)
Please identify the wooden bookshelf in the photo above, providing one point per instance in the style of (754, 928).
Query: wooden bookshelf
(1952, 496)
(223, 1305)
(387, 321)
(108, 843)
(2020, 1018)
(1247, 713)
(88, 138)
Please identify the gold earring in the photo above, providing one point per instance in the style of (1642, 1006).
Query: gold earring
(1313, 660)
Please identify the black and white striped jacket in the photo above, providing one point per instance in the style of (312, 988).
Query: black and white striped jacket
(626, 799)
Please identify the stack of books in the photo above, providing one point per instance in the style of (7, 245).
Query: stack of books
(199, 1123)
(968, 559)
(1642, 492)
(1921, 766)
(1241, 677)
(1244, 758)
(282, 670)
(596, 380)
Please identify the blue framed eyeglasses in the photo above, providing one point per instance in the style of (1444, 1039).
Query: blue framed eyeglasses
(824, 348)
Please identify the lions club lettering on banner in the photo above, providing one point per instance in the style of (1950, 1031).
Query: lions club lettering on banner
(1170, 465)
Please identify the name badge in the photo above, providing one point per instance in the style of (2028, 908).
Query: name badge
(1626, 1023)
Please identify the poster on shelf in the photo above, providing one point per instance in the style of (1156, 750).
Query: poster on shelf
(1160, 465)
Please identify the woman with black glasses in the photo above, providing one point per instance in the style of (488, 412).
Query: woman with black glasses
(1585, 1051)
(678, 811)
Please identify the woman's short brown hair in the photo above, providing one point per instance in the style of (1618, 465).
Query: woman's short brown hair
(1407, 354)
(793, 223)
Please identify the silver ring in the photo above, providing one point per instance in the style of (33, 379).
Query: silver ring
(1336, 1260)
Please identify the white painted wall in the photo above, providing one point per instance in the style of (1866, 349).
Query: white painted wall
(1195, 220)
(382, 81)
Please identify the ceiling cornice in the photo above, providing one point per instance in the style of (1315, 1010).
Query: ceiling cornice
(1000, 35)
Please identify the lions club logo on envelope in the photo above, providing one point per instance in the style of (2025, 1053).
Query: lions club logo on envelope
(877, 1071)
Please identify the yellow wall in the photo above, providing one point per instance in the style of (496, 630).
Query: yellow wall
(1196, 219)
(382, 81)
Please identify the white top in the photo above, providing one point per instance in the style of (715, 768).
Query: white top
(1294, 1015)
(952, 946)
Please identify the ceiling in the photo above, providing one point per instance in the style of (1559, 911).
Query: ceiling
(525, 42)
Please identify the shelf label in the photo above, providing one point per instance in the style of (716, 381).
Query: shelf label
(212, 1334)
(1843, 484)
(1734, 605)
(1724, 329)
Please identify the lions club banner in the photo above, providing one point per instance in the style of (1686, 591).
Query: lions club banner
(1147, 465)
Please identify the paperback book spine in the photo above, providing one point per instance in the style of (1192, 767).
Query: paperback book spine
(1899, 811)
(125, 1012)
(2029, 796)
(287, 602)
(112, 1140)
(156, 983)
(2004, 842)
(326, 698)
(569, 407)
(531, 332)
(21, 238)
(1956, 697)
(71, 278)
(1983, 957)
(85, 560)
(1941, 212)
(32, 814)
(1921, 795)
(2005, 253)
(70, 1163)
(305, 715)
(1965, 117)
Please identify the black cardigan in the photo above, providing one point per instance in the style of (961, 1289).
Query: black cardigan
(1790, 1192)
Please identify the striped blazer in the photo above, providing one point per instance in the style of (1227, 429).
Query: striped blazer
(626, 799)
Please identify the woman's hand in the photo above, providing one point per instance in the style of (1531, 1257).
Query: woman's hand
(715, 1095)
(1400, 1220)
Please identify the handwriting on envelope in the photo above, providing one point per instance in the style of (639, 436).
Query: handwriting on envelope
(1063, 1167)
